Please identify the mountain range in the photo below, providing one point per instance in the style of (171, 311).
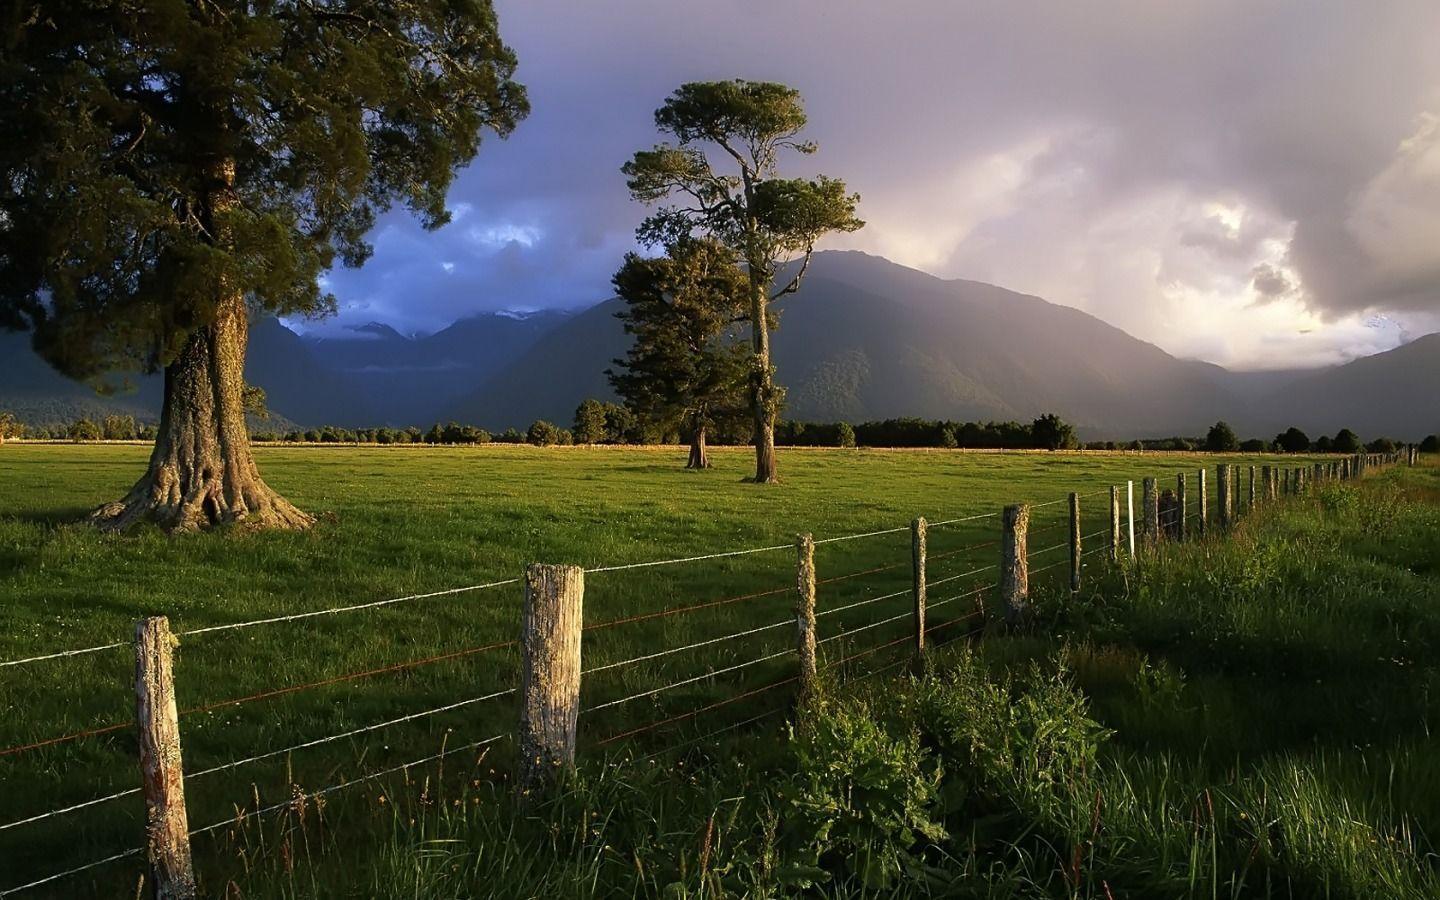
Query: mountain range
(864, 339)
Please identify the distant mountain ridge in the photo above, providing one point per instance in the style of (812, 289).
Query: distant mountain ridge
(864, 339)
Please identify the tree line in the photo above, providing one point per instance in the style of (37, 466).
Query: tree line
(602, 422)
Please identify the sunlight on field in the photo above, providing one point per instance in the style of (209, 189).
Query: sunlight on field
(396, 521)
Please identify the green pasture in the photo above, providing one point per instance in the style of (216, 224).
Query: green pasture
(396, 521)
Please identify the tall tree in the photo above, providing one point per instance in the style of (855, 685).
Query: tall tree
(683, 368)
(764, 220)
(170, 167)
(1221, 438)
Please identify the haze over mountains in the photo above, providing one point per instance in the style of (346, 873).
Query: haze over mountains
(864, 339)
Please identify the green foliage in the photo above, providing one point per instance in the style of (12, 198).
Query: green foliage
(758, 216)
(1381, 445)
(1292, 440)
(1051, 433)
(1253, 445)
(589, 425)
(748, 212)
(845, 434)
(1221, 439)
(159, 158)
(1010, 745)
(862, 798)
(119, 428)
(684, 369)
(1431, 444)
(84, 430)
(546, 434)
(254, 402)
(1346, 441)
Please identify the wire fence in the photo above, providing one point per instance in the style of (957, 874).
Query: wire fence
(856, 628)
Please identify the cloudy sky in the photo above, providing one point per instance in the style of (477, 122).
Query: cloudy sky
(1252, 183)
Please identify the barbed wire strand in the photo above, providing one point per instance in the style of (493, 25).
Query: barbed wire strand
(310, 795)
(673, 650)
(352, 733)
(974, 518)
(687, 559)
(702, 677)
(972, 572)
(867, 534)
(267, 755)
(854, 631)
(276, 692)
(59, 654)
(134, 851)
(695, 712)
(674, 611)
(860, 603)
(340, 609)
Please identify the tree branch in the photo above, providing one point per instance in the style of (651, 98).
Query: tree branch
(794, 284)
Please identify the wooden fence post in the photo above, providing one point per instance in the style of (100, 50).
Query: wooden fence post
(917, 589)
(1130, 515)
(1236, 494)
(1182, 508)
(805, 614)
(167, 829)
(1202, 524)
(1074, 541)
(1014, 564)
(550, 629)
(1114, 523)
(1222, 487)
(1151, 499)
(1252, 488)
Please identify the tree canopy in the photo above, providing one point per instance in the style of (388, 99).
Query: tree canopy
(1222, 438)
(120, 120)
(1292, 440)
(762, 219)
(684, 368)
(170, 167)
(1052, 433)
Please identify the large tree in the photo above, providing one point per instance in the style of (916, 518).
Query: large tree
(739, 200)
(683, 369)
(171, 167)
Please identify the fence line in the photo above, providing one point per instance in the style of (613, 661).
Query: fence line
(1014, 587)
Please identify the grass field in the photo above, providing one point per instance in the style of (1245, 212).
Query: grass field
(397, 521)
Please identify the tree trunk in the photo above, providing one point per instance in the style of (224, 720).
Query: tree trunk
(699, 458)
(202, 472)
(762, 387)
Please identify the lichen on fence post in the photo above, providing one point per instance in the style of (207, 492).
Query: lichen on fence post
(1114, 523)
(550, 628)
(167, 831)
(1182, 507)
(805, 614)
(1222, 487)
(1074, 541)
(1014, 564)
(1202, 494)
(917, 583)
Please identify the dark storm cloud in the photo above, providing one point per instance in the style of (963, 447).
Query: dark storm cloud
(1143, 161)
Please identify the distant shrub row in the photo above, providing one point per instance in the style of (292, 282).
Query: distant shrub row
(606, 423)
